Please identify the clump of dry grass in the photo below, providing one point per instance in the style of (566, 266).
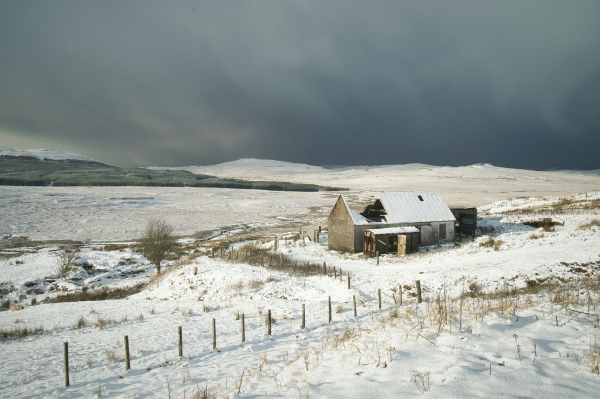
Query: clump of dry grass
(187, 313)
(339, 308)
(20, 332)
(587, 226)
(497, 245)
(547, 224)
(489, 243)
(111, 356)
(80, 322)
(100, 295)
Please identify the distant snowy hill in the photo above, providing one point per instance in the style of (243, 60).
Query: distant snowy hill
(47, 154)
(266, 165)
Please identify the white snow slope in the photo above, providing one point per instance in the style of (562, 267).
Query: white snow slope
(539, 349)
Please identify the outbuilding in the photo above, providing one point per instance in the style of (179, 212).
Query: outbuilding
(427, 212)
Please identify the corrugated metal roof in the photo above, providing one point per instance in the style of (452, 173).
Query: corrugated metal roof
(409, 208)
(394, 230)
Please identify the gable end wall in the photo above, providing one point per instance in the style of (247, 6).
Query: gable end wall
(340, 228)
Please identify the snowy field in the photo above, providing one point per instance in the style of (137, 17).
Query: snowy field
(534, 344)
(380, 353)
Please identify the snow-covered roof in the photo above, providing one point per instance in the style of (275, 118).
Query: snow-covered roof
(415, 208)
(395, 230)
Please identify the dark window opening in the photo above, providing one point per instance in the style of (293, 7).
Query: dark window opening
(420, 198)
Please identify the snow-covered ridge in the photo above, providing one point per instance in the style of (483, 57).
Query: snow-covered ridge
(47, 154)
(254, 164)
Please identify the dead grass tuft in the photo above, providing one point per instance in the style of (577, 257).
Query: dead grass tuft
(587, 226)
(101, 295)
(20, 332)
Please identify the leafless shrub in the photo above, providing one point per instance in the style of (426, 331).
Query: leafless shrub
(66, 261)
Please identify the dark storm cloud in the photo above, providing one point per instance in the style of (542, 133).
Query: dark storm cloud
(513, 83)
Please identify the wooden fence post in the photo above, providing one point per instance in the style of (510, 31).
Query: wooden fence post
(303, 316)
(66, 353)
(330, 309)
(212, 252)
(379, 297)
(243, 329)
(180, 342)
(419, 298)
(127, 362)
(348, 280)
(269, 322)
(354, 304)
(377, 253)
(324, 267)
(334, 273)
(214, 331)
(281, 259)
(400, 293)
(340, 274)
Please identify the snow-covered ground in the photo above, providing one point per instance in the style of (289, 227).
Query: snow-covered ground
(376, 354)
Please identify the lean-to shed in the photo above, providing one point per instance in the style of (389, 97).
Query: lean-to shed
(391, 240)
(425, 211)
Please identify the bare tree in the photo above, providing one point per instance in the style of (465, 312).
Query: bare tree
(158, 240)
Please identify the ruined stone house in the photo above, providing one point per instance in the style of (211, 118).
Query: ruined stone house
(391, 223)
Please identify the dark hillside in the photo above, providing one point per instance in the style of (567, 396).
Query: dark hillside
(31, 171)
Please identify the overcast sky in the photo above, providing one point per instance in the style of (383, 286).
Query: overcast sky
(137, 83)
